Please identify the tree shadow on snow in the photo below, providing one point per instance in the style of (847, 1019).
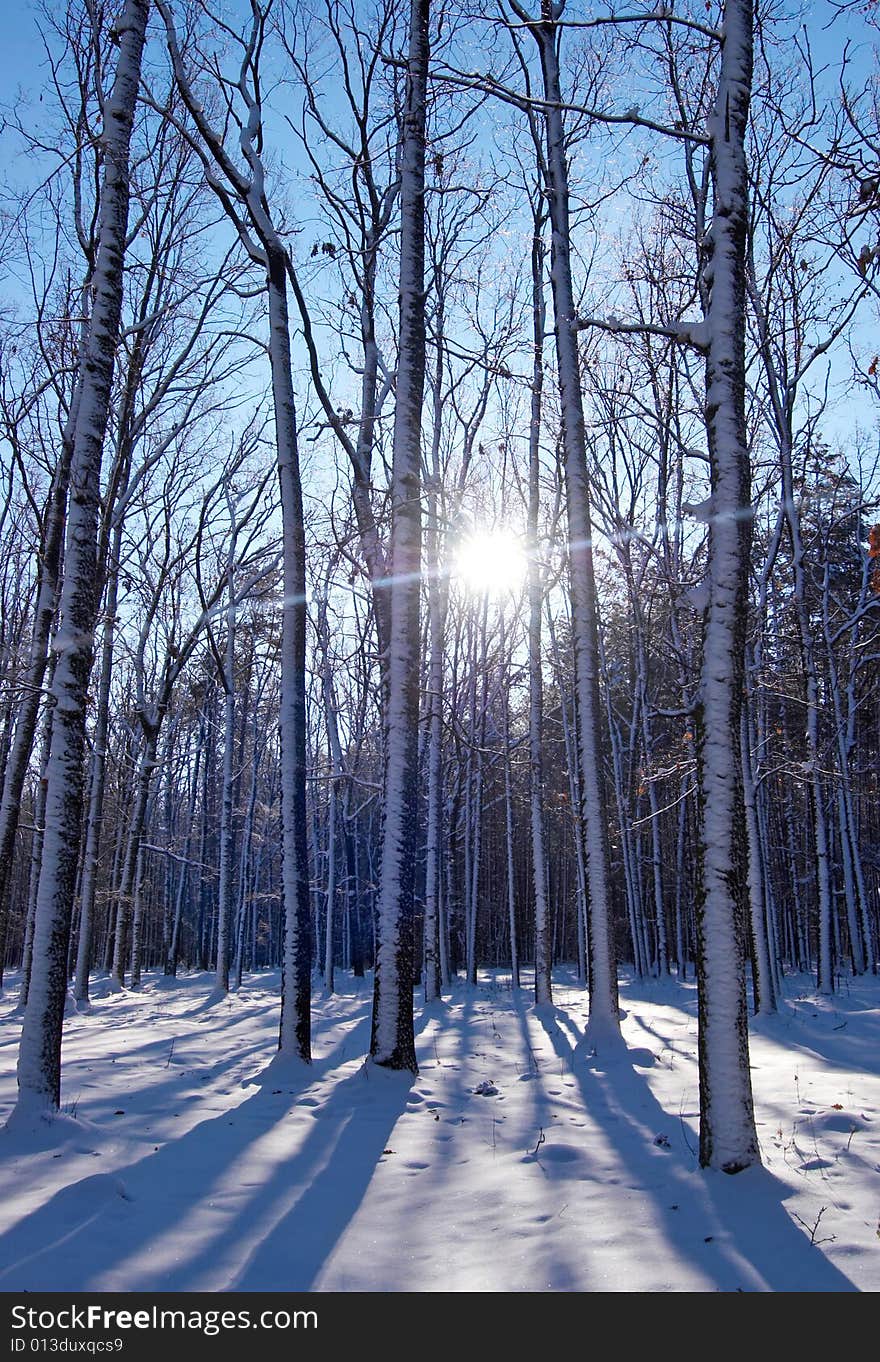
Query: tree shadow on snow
(734, 1229)
(225, 1206)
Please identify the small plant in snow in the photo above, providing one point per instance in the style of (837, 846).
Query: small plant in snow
(813, 1229)
(485, 1089)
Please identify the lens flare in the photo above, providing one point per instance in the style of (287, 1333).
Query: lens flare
(491, 563)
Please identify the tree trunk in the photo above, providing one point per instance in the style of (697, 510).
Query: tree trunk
(294, 1037)
(393, 1042)
(604, 1024)
(224, 894)
(543, 954)
(727, 1128)
(39, 1063)
(98, 778)
(128, 879)
(27, 709)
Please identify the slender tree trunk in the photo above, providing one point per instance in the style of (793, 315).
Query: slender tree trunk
(137, 914)
(246, 857)
(680, 880)
(129, 877)
(604, 1024)
(543, 957)
(295, 1030)
(227, 801)
(393, 1042)
(330, 897)
(571, 760)
(174, 940)
(762, 975)
(856, 895)
(98, 779)
(27, 710)
(27, 957)
(437, 602)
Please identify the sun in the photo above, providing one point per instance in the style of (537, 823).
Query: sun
(491, 562)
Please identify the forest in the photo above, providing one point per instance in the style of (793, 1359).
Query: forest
(440, 645)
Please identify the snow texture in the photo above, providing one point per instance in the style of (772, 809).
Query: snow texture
(195, 1163)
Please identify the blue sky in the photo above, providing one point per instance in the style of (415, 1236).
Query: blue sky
(22, 61)
(20, 49)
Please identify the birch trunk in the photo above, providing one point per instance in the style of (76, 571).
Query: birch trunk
(27, 710)
(393, 1043)
(727, 1128)
(543, 954)
(27, 958)
(39, 1063)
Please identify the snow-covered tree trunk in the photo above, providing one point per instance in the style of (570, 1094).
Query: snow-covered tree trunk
(330, 895)
(727, 1128)
(27, 710)
(681, 880)
(433, 878)
(649, 781)
(171, 955)
(137, 917)
(437, 608)
(393, 1043)
(604, 1022)
(762, 975)
(337, 777)
(511, 860)
(573, 767)
(224, 893)
(295, 1031)
(98, 778)
(246, 858)
(128, 878)
(39, 1063)
(628, 852)
(27, 954)
(475, 784)
(543, 952)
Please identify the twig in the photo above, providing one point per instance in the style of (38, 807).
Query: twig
(812, 1230)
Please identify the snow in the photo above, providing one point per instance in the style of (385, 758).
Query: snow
(516, 1160)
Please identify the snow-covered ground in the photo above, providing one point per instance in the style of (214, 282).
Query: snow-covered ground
(514, 1161)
